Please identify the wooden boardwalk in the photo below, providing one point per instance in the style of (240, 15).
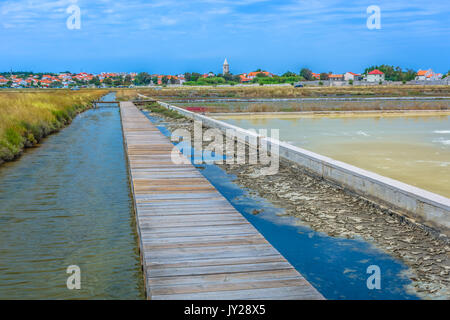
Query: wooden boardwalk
(194, 244)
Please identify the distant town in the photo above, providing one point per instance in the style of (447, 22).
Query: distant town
(383, 74)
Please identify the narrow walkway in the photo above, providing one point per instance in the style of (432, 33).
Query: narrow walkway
(194, 244)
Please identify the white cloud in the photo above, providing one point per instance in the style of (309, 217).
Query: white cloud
(206, 15)
(168, 21)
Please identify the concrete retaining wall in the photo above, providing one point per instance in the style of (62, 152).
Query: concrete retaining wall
(418, 205)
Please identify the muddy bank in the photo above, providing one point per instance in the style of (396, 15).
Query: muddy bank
(335, 212)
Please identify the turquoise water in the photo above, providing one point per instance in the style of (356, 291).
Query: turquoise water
(67, 202)
(334, 266)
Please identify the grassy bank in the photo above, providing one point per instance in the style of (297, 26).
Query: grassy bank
(286, 92)
(156, 108)
(27, 117)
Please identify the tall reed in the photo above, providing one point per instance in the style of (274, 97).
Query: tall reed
(27, 117)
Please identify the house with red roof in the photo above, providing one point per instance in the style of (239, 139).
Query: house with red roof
(316, 76)
(253, 74)
(352, 76)
(208, 75)
(19, 82)
(428, 75)
(375, 76)
(244, 79)
(171, 79)
(336, 77)
(83, 76)
(46, 83)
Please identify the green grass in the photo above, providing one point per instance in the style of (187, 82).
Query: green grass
(156, 108)
(28, 116)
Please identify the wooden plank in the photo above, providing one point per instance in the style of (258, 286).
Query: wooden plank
(285, 293)
(225, 286)
(220, 278)
(193, 242)
(228, 269)
(216, 262)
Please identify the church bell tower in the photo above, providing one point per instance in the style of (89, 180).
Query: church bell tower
(226, 67)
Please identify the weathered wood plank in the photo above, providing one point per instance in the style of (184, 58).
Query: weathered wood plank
(229, 269)
(286, 293)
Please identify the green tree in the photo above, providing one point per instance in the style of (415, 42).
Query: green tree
(324, 76)
(392, 73)
(55, 84)
(127, 80)
(306, 74)
(117, 82)
(108, 81)
(143, 78)
(95, 81)
(195, 76)
(227, 77)
(409, 75)
(236, 78)
(289, 74)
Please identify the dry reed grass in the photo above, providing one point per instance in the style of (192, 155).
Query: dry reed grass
(28, 116)
(291, 92)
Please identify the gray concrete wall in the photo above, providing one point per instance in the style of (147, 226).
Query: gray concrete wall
(418, 205)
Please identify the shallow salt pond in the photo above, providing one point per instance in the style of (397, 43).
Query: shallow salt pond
(414, 149)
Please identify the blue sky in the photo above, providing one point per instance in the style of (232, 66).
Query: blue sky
(169, 36)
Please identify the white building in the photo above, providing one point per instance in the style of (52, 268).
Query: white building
(375, 76)
(352, 76)
(429, 75)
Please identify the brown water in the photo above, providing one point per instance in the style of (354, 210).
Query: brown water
(65, 203)
(414, 149)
